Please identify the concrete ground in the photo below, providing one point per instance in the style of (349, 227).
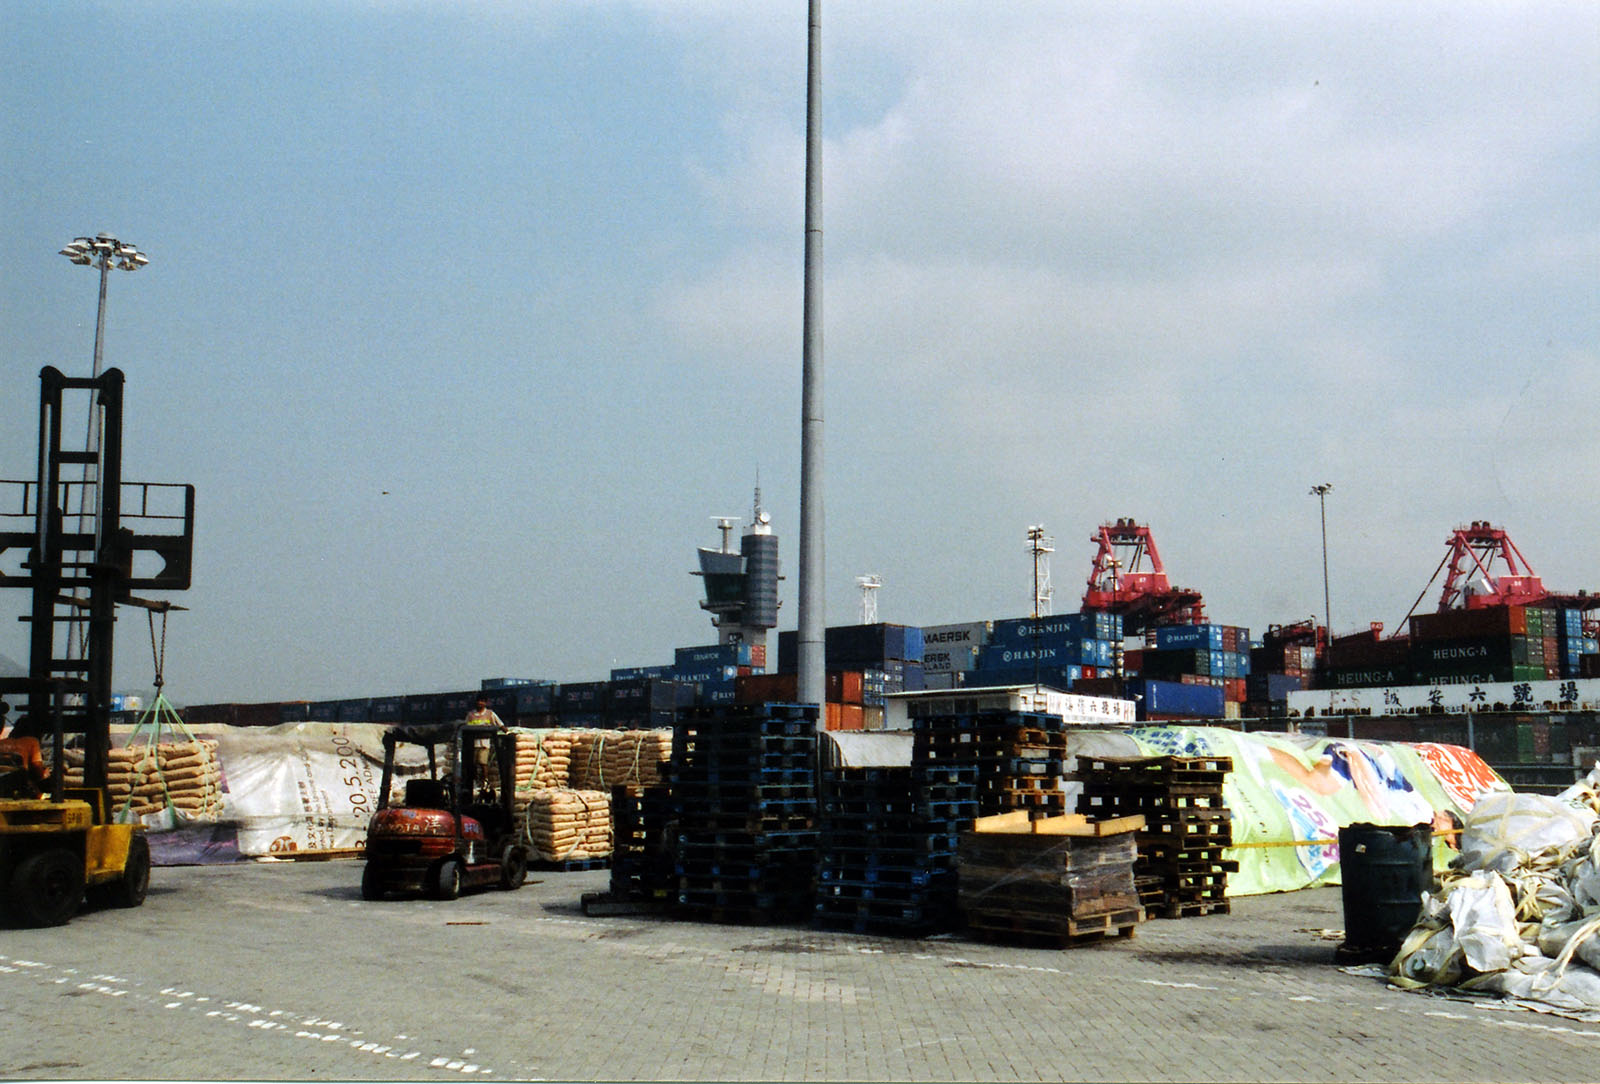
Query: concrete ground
(270, 971)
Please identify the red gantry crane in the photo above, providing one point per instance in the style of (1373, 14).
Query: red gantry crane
(1485, 568)
(1121, 583)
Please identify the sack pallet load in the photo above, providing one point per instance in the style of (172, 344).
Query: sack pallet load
(567, 825)
(1518, 915)
(563, 781)
(144, 779)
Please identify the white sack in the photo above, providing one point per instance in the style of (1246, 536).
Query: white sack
(1503, 830)
(1485, 921)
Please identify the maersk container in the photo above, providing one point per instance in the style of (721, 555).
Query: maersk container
(1172, 699)
(966, 636)
(946, 659)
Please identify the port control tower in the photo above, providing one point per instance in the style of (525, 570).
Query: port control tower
(742, 587)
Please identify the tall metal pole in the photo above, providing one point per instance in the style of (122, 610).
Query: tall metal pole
(1321, 493)
(811, 676)
(102, 251)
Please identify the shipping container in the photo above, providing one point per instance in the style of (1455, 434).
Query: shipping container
(294, 711)
(355, 711)
(389, 710)
(1466, 624)
(1175, 700)
(690, 658)
(422, 708)
(536, 700)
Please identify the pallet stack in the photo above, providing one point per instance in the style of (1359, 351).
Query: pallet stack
(1062, 880)
(643, 861)
(1181, 869)
(1019, 757)
(743, 786)
(888, 848)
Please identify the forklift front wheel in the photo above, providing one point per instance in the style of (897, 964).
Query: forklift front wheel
(47, 887)
(513, 867)
(447, 880)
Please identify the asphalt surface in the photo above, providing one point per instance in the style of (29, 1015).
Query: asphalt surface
(274, 971)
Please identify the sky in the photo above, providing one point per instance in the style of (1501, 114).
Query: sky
(466, 320)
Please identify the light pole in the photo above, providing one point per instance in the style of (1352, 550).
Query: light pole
(104, 252)
(1321, 493)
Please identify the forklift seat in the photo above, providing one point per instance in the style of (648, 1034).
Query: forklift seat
(428, 793)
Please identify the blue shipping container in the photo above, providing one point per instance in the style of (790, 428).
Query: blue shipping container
(1173, 698)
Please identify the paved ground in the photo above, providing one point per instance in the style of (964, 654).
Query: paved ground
(269, 971)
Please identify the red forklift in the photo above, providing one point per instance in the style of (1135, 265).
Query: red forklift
(456, 828)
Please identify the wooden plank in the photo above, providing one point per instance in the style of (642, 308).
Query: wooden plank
(1015, 821)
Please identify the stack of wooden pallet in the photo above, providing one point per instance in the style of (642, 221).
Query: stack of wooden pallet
(887, 860)
(743, 784)
(643, 859)
(1019, 756)
(1181, 869)
(1061, 880)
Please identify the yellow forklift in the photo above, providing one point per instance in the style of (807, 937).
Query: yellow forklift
(59, 843)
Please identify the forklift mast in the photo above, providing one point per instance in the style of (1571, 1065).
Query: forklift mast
(80, 565)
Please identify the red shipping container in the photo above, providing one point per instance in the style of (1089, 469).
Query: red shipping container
(758, 656)
(831, 716)
(851, 716)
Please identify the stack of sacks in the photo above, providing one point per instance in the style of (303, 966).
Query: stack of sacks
(146, 779)
(544, 758)
(569, 825)
(620, 758)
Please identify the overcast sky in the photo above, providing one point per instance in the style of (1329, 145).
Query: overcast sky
(466, 319)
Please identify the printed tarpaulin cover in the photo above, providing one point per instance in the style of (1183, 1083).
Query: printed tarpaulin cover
(289, 788)
(1290, 794)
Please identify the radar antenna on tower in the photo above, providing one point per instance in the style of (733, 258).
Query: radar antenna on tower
(869, 585)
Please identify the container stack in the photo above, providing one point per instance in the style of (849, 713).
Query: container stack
(889, 657)
(1187, 826)
(1064, 880)
(1060, 650)
(1214, 656)
(1490, 644)
(846, 694)
(888, 847)
(744, 795)
(1018, 757)
(1285, 661)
